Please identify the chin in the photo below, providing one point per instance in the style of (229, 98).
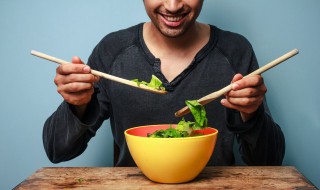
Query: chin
(172, 32)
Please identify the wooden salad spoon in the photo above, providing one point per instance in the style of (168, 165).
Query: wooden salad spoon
(101, 74)
(208, 98)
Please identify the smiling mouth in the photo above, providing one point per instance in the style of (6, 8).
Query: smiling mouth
(173, 18)
(173, 21)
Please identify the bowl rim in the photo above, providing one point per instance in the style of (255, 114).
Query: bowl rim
(143, 126)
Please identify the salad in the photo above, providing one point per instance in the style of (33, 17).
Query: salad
(154, 83)
(185, 128)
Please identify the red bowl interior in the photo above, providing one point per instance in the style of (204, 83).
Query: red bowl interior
(144, 130)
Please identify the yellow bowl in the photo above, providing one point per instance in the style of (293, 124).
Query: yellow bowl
(170, 160)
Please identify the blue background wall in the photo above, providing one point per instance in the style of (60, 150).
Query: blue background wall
(66, 28)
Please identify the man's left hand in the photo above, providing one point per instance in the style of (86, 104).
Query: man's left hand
(246, 96)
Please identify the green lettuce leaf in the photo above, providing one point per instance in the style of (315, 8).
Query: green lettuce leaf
(199, 114)
(154, 83)
(168, 133)
(185, 128)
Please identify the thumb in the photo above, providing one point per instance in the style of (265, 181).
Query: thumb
(76, 60)
(237, 77)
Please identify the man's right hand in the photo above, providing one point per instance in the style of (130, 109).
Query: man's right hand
(75, 82)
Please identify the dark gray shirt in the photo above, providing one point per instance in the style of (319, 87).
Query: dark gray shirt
(125, 54)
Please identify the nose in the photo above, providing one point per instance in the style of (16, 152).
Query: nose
(173, 6)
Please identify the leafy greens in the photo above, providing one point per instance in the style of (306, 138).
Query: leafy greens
(185, 128)
(154, 83)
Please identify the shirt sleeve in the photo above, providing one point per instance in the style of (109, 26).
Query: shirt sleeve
(261, 141)
(65, 136)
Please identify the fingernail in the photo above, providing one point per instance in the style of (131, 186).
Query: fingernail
(223, 101)
(235, 86)
(86, 69)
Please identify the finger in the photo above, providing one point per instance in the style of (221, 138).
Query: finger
(86, 78)
(78, 98)
(77, 60)
(74, 87)
(227, 104)
(66, 69)
(252, 81)
(245, 109)
(245, 101)
(96, 78)
(70, 78)
(247, 92)
(235, 78)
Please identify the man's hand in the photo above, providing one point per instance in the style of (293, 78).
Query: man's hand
(75, 83)
(246, 96)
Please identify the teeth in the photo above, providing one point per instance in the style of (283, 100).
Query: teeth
(173, 18)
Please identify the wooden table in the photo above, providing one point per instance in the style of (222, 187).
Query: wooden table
(282, 177)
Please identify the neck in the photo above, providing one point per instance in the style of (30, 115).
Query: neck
(176, 53)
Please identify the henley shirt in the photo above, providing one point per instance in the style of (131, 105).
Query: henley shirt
(124, 54)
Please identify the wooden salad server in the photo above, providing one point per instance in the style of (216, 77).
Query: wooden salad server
(101, 74)
(206, 99)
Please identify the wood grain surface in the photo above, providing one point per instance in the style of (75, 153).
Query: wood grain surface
(244, 177)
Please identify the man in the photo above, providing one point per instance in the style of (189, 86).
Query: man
(192, 59)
